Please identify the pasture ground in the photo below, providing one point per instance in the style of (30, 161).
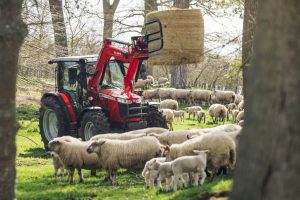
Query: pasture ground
(35, 172)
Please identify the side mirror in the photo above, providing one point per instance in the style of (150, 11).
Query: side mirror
(72, 75)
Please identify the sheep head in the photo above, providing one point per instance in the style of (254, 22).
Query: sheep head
(95, 146)
(54, 145)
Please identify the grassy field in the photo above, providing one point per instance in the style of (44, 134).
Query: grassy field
(35, 172)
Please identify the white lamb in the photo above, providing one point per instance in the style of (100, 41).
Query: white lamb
(57, 164)
(190, 164)
(150, 171)
(179, 114)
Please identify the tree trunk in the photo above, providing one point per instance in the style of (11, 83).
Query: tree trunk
(179, 72)
(109, 12)
(268, 160)
(59, 27)
(12, 33)
(250, 10)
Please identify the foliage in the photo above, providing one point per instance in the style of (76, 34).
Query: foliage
(35, 172)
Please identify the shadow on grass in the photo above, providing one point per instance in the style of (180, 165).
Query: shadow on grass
(37, 152)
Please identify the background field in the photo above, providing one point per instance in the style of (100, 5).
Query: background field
(35, 172)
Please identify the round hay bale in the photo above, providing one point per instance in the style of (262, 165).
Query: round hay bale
(183, 35)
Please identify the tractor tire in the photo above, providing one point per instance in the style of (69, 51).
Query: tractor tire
(155, 118)
(93, 123)
(52, 121)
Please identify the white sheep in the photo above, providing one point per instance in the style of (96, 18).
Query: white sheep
(151, 94)
(128, 154)
(74, 156)
(165, 93)
(182, 95)
(241, 123)
(179, 114)
(156, 130)
(162, 80)
(224, 127)
(142, 83)
(241, 105)
(190, 164)
(224, 97)
(222, 150)
(218, 112)
(201, 115)
(169, 104)
(175, 137)
(118, 136)
(238, 99)
(192, 110)
(169, 116)
(231, 107)
(150, 171)
(199, 96)
(57, 164)
(240, 116)
(151, 78)
(234, 114)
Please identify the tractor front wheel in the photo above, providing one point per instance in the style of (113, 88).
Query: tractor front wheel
(93, 123)
(52, 120)
(155, 118)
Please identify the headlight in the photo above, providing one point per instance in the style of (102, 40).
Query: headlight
(120, 100)
(138, 101)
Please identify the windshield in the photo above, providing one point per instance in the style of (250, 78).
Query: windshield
(113, 77)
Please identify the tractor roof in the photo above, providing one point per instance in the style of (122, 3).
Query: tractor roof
(89, 58)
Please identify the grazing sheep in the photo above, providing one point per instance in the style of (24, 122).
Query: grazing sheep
(201, 115)
(238, 99)
(221, 147)
(156, 130)
(142, 83)
(169, 116)
(118, 136)
(241, 105)
(241, 123)
(240, 116)
(150, 171)
(218, 111)
(175, 137)
(190, 164)
(151, 94)
(199, 96)
(179, 114)
(234, 115)
(165, 93)
(224, 97)
(74, 156)
(128, 154)
(182, 95)
(231, 106)
(169, 104)
(193, 110)
(57, 164)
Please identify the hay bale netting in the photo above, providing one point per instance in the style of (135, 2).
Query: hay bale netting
(183, 34)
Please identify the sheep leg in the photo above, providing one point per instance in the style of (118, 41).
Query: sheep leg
(171, 126)
(159, 183)
(203, 175)
(113, 177)
(175, 183)
(183, 181)
(72, 175)
(196, 179)
(55, 172)
(168, 182)
(80, 174)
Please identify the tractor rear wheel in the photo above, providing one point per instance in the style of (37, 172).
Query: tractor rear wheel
(52, 120)
(155, 118)
(93, 123)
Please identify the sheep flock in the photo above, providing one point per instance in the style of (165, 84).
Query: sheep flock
(176, 158)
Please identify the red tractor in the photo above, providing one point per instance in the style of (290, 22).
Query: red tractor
(95, 94)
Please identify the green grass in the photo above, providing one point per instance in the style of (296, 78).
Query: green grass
(35, 172)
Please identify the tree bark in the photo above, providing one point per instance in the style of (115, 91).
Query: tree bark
(59, 27)
(250, 12)
(109, 12)
(179, 72)
(268, 161)
(12, 33)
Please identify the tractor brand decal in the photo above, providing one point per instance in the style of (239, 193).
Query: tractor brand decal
(107, 97)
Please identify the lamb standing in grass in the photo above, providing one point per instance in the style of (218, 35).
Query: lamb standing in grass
(58, 164)
(193, 110)
(190, 164)
(127, 154)
(179, 114)
(150, 171)
(201, 115)
(74, 156)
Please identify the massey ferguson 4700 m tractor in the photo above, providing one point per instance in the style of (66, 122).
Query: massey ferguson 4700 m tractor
(95, 94)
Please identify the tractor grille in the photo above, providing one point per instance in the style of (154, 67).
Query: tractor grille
(134, 110)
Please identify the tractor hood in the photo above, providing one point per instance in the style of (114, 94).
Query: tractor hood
(120, 96)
